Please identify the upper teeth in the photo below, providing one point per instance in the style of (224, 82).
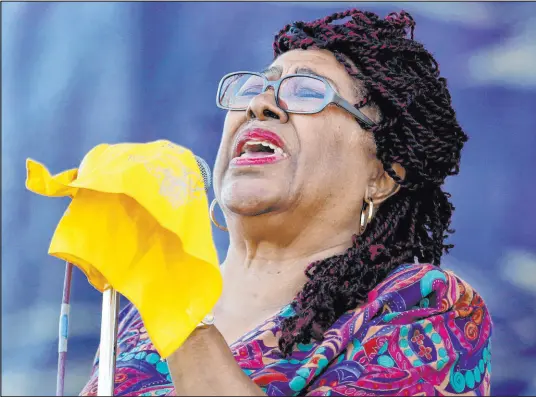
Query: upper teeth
(275, 148)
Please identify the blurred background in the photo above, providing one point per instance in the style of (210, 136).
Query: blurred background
(78, 74)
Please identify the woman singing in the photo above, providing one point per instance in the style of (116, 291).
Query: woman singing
(330, 177)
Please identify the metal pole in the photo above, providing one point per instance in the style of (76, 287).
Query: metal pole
(108, 343)
(64, 328)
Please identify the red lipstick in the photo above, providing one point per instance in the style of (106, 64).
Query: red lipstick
(257, 147)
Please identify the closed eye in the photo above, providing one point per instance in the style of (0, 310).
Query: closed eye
(250, 91)
(305, 93)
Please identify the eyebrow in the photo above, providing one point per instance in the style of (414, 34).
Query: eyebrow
(306, 70)
(278, 70)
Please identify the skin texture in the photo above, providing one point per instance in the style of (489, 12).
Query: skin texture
(281, 217)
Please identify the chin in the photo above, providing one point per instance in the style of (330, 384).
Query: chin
(250, 197)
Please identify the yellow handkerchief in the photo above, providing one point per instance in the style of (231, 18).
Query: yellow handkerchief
(139, 222)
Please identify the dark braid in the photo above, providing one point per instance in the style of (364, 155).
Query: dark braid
(418, 130)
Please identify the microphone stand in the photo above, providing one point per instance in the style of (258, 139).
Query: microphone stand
(64, 328)
(108, 343)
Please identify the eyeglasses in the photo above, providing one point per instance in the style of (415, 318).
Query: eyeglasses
(296, 93)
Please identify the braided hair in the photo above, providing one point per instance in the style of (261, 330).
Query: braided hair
(418, 130)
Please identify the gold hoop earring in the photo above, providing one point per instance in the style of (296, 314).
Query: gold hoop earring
(213, 218)
(365, 220)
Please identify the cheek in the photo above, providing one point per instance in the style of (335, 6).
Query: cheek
(232, 123)
(327, 138)
(335, 151)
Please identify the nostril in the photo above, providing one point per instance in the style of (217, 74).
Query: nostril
(251, 115)
(269, 113)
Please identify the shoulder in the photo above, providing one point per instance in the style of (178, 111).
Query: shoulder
(423, 330)
(417, 293)
(426, 285)
(410, 276)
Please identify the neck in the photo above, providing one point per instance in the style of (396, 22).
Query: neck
(267, 257)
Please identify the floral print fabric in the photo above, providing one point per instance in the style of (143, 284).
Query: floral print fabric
(422, 331)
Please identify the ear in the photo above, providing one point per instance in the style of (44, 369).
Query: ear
(381, 185)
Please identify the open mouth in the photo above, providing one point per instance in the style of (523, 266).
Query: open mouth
(257, 147)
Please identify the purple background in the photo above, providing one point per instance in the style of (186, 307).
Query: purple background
(78, 74)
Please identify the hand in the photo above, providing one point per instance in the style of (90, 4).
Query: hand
(205, 366)
(139, 223)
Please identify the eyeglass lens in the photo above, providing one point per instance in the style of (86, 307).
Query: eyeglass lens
(296, 93)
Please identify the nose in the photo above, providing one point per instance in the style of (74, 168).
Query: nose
(263, 107)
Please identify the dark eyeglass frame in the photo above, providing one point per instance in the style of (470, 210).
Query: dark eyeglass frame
(330, 97)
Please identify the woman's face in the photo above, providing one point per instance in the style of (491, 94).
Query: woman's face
(327, 159)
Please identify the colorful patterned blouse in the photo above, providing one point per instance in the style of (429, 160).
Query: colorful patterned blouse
(423, 331)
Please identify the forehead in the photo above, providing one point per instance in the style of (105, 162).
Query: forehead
(293, 56)
(318, 58)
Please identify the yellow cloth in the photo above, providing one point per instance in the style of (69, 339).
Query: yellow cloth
(138, 222)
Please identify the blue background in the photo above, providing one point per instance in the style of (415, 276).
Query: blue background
(78, 74)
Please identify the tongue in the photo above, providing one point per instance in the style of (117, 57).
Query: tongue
(256, 154)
